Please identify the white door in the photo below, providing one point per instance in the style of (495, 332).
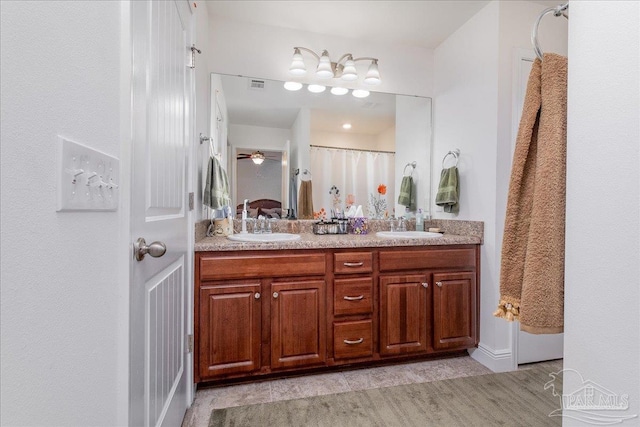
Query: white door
(529, 347)
(161, 128)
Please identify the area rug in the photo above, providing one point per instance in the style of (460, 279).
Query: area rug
(509, 399)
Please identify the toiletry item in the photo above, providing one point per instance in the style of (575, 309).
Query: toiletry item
(434, 230)
(419, 221)
(223, 226)
(407, 213)
(359, 213)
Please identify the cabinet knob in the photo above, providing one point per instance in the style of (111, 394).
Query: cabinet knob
(439, 284)
(425, 285)
(257, 295)
(275, 295)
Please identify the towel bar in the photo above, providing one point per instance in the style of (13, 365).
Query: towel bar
(455, 153)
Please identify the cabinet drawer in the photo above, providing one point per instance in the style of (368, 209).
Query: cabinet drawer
(353, 262)
(417, 260)
(352, 339)
(237, 267)
(353, 296)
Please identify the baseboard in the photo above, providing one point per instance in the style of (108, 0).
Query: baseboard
(496, 360)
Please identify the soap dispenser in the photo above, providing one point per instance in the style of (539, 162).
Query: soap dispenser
(419, 221)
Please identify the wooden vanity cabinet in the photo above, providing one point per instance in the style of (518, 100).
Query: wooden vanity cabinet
(353, 338)
(258, 312)
(271, 312)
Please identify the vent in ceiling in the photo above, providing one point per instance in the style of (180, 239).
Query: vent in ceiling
(256, 84)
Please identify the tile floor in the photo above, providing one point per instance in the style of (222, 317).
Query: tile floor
(209, 399)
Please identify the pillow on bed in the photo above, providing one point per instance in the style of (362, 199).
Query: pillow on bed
(273, 212)
(251, 213)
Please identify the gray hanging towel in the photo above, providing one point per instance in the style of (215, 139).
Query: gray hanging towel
(216, 191)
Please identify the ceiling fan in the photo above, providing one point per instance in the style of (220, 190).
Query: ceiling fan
(257, 156)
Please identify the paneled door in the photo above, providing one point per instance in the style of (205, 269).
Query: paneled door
(162, 90)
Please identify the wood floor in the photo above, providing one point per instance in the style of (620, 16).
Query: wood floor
(209, 399)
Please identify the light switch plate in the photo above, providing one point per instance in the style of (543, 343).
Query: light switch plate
(88, 179)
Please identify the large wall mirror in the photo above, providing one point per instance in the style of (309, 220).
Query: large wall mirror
(276, 137)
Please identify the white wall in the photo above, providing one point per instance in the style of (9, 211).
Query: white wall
(384, 141)
(203, 106)
(602, 298)
(64, 305)
(264, 51)
(472, 112)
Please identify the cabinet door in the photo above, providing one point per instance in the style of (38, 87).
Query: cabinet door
(454, 310)
(298, 326)
(404, 302)
(229, 334)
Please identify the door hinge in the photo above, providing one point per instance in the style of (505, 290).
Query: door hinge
(190, 343)
(191, 201)
(194, 49)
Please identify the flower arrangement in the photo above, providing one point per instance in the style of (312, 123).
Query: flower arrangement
(350, 200)
(378, 204)
(321, 214)
(335, 192)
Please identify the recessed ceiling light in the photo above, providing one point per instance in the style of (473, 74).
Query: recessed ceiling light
(360, 93)
(346, 126)
(292, 85)
(339, 90)
(316, 88)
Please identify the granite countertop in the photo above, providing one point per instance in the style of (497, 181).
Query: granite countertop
(455, 233)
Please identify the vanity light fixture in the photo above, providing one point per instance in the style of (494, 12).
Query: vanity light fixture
(346, 126)
(257, 157)
(344, 68)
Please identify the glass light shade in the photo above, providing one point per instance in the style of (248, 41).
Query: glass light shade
(339, 90)
(349, 72)
(373, 75)
(316, 88)
(297, 65)
(292, 86)
(257, 157)
(346, 126)
(360, 93)
(324, 70)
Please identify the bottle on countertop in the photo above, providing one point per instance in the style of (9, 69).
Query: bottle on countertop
(419, 221)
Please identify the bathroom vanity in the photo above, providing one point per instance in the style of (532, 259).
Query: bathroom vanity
(330, 301)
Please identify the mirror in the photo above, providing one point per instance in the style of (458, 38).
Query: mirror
(260, 115)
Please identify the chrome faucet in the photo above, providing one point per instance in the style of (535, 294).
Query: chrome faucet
(244, 217)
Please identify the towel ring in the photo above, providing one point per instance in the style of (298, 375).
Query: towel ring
(557, 11)
(455, 153)
(305, 175)
(413, 168)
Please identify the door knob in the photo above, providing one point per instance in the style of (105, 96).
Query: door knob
(155, 249)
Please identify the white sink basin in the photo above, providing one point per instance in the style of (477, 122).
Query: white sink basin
(268, 237)
(407, 234)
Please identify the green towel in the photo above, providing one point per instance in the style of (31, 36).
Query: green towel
(216, 191)
(407, 195)
(449, 190)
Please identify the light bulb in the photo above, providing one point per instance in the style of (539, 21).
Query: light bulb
(349, 72)
(316, 88)
(339, 90)
(297, 64)
(346, 126)
(373, 75)
(360, 93)
(324, 70)
(292, 85)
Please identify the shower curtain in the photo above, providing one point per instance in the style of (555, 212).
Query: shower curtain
(344, 176)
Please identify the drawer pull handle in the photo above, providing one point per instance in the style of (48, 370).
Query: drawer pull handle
(257, 295)
(439, 284)
(354, 264)
(354, 342)
(358, 298)
(275, 295)
(425, 285)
